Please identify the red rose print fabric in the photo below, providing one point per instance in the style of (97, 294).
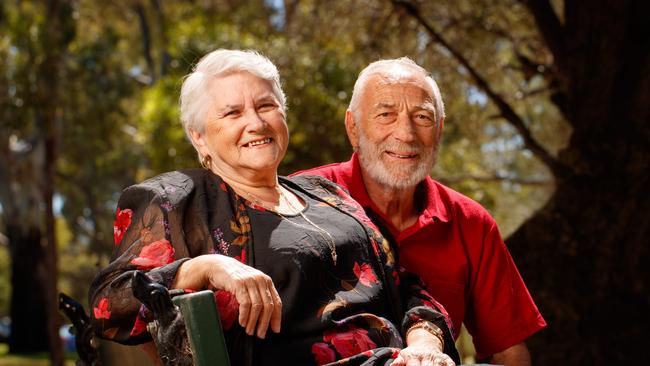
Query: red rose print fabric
(155, 255)
(121, 224)
(349, 341)
(323, 353)
(365, 274)
(228, 308)
(101, 310)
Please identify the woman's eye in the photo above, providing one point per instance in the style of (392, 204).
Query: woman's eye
(231, 113)
(266, 107)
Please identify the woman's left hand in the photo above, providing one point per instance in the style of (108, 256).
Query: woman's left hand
(422, 355)
(424, 349)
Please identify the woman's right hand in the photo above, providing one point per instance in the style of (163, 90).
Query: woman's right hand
(259, 302)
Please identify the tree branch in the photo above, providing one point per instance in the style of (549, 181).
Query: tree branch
(551, 29)
(495, 178)
(505, 109)
(138, 8)
(290, 7)
(165, 58)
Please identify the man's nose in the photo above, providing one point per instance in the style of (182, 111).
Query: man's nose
(404, 128)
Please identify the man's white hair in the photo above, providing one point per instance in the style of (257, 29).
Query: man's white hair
(393, 70)
(195, 96)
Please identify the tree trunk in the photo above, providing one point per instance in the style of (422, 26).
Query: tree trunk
(59, 31)
(582, 254)
(28, 314)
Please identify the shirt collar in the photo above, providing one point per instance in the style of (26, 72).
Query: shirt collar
(435, 204)
(354, 181)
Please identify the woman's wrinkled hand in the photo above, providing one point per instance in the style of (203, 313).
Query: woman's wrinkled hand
(424, 349)
(420, 355)
(259, 303)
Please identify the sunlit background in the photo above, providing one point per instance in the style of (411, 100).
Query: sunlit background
(104, 88)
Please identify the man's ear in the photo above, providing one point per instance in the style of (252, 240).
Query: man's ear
(351, 128)
(442, 124)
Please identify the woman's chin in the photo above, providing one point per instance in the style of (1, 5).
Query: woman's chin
(261, 165)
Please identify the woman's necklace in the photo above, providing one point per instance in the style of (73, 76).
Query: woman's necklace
(327, 237)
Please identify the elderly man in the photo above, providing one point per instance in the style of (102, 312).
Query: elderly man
(394, 123)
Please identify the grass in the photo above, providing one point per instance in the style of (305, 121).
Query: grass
(32, 359)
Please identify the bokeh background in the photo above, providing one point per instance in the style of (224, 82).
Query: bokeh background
(547, 127)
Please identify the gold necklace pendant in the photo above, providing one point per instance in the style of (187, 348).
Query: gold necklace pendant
(327, 237)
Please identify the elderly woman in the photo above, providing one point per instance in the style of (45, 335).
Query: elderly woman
(296, 255)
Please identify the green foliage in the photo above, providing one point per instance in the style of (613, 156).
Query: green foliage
(5, 285)
(40, 359)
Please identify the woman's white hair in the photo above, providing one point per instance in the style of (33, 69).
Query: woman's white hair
(195, 96)
(393, 71)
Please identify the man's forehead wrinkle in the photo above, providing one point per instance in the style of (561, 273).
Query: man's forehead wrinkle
(385, 98)
(379, 81)
(381, 104)
(391, 79)
(429, 104)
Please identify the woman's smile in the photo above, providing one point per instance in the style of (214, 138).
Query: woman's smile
(260, 142)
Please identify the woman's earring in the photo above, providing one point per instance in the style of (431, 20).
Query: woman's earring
(206, 162)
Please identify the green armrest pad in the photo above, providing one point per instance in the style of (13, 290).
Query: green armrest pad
(203, 328)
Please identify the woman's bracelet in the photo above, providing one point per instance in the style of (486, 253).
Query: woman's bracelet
(429, 327)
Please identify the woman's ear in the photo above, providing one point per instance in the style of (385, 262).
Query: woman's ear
(199, 142)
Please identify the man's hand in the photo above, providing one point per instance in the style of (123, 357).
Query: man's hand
(516, 355)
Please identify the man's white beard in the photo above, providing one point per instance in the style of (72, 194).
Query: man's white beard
(396, 176)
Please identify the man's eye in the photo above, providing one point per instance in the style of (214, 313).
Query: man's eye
(423, 119)
(231, 113)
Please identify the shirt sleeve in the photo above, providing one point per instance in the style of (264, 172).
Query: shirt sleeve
(143, 241)
(501, 313)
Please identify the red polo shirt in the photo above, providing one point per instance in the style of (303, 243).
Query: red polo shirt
(456, 248)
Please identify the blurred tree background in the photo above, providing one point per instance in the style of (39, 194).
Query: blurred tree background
(547, 106)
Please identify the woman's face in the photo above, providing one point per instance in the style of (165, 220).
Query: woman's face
(245, 132)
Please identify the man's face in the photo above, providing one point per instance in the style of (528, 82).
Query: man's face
(394, 129)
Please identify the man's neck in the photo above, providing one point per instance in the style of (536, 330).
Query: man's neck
(397, 205)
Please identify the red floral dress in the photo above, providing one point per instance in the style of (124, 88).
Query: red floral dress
(351, 312)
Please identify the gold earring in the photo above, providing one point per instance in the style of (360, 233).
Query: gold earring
(206, 162)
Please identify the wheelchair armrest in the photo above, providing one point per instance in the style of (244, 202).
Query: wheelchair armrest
(203, 326)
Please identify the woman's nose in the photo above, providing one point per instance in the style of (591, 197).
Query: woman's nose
(254, 121)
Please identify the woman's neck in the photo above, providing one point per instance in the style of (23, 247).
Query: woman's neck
(266, 193)
(263, 189)
(248, 179)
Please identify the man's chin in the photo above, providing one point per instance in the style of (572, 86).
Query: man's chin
(394, 175)
(395, 180)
